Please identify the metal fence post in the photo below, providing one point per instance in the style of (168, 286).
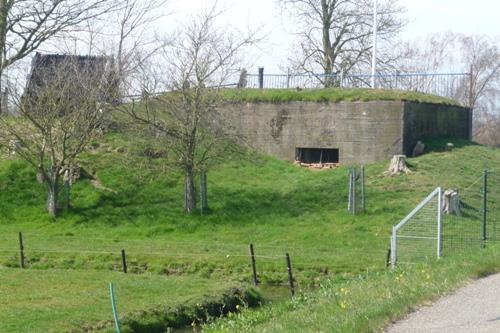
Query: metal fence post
(349, 199)
(393, 248)
(363, 188)
(354, 190)
(288, 76)
(471, 87)
(440, 225)
(261, 77)
(485, 205)
(113, 307)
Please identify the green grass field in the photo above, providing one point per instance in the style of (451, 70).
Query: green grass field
(66, 300)
(365, 304)
(253, 199)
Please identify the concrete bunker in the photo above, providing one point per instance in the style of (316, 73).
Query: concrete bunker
(345, 133)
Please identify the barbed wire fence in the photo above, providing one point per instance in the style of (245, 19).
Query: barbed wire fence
(36, 251)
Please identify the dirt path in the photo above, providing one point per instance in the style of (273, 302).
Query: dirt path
(473, 309)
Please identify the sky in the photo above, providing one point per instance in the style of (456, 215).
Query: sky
(425, 17)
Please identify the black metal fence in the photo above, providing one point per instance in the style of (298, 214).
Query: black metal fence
(451, 85)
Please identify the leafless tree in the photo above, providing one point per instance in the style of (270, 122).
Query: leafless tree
(135, 40)
(477, 55)
(60, 112)
(27, 24)
(335, 36)
(198, 65)
(129, 33)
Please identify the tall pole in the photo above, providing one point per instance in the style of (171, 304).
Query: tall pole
(374, 55)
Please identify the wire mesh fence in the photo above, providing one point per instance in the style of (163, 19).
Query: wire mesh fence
(417, 237)
(356, 201)
(462, 227)
(468, 219)
(451, 85)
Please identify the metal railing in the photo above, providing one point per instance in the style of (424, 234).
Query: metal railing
(451, 85)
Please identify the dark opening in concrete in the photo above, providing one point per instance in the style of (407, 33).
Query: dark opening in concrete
(317, 155)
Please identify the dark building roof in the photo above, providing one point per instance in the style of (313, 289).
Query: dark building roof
(47, 67)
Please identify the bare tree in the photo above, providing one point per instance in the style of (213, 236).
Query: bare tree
(60, 112)
(477, 55)
(135, 42)
(335, 35)
(198, 64)
(27, 24)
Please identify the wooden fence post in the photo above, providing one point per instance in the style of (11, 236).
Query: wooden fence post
(254, 268)
(124, 262)
(290, 274)
(21, 250)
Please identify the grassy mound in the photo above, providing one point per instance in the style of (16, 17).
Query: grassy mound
(253, 199)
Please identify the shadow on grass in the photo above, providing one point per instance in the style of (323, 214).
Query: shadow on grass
(440, 145)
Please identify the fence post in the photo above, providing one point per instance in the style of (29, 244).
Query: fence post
(254, 267)
(261, 77)
(124, 262)
(288, 76)
(363, 188)
(21, 250)
(290, 274)
(388, 258)
(113, 307)
(349, 199)
(354, 191)
(393, 248)
(485, 205)
(440, 223)
(203, 192)
(471, 87)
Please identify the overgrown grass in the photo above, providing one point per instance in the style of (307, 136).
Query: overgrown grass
(78, 301)
(253, 199)
(365, 304)
(331, 95)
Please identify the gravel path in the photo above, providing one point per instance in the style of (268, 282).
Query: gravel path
(473, 309)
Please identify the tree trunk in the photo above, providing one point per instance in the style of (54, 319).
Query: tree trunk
(52, 192)
(4, 12)
(327, 45)
(189, 194)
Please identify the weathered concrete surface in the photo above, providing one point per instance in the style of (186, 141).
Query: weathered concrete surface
(426, 121)
(474, 308)
(364, 132)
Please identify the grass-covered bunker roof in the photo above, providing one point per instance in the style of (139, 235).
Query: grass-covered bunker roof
(331, 95)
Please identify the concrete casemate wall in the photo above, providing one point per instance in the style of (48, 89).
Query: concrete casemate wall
(363, 132)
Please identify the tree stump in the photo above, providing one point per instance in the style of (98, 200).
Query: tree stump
(451, 203)
(398, 165)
